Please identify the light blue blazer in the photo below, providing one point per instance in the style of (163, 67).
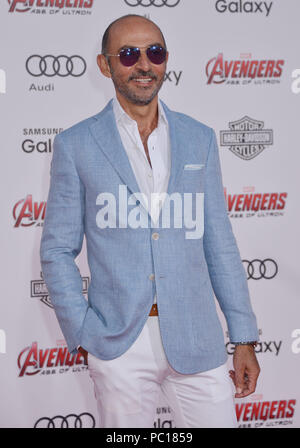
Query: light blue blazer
(89, 159)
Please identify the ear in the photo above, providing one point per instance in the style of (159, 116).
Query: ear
(103, 65)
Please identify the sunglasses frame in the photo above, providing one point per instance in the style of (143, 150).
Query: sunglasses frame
(145, 49)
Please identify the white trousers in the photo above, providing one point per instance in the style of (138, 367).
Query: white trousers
(127, 388)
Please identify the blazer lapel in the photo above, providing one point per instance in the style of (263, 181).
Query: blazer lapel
(107, 137)
(178, 141)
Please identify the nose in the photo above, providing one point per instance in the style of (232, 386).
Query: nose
(143, 62)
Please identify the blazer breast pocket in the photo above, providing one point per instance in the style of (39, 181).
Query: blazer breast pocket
(193, 166)
(193, 177)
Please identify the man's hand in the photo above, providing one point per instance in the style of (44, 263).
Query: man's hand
(84, 354)
(246, 370)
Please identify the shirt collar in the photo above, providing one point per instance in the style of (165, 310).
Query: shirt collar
(122, 116)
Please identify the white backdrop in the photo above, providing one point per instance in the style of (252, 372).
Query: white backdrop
(234, 66)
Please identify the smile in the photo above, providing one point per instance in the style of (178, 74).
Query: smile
(143, 80)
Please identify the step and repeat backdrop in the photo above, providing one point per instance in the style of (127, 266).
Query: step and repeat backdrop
(233, 65)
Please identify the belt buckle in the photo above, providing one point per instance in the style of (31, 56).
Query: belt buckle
(154, 310)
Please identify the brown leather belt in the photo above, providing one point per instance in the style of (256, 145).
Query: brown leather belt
(154, 310)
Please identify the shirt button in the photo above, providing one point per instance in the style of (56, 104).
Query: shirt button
(151, 277)
(155, 236)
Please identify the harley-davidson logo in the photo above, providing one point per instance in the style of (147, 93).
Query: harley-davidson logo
(39, 290)
(246, 138)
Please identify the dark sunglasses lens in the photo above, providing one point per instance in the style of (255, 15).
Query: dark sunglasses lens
(156, 54)
(129, 56)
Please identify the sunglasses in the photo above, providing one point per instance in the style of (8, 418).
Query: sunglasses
(129, 56)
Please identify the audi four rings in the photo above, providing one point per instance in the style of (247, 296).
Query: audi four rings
(157, 3)
(55, 65)
(84, 420)
(258, 269)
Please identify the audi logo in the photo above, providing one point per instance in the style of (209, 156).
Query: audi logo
(157, 3)
(84, 420)
(55, 65)
(258, 269)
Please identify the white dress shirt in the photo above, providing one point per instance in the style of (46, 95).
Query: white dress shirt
(150, 180)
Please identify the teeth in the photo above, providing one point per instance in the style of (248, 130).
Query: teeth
(143, 80)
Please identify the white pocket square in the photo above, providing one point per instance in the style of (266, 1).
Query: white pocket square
(193, 166)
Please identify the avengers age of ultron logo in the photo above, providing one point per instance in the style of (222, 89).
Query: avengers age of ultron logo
(27, 212)
(250, 204)
(243, 71)
(259, 414)
(69, 7)
(49, 361)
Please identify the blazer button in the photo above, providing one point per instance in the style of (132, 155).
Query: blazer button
(151, 277)
(155, 236)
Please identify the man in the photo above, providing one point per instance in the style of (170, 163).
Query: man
(150, 323)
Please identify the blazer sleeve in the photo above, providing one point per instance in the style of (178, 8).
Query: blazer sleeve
(61, 242)
(226, 271)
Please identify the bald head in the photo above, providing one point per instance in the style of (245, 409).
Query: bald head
(122, 24)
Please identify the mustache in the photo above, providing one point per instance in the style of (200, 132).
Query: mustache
(148, 74)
